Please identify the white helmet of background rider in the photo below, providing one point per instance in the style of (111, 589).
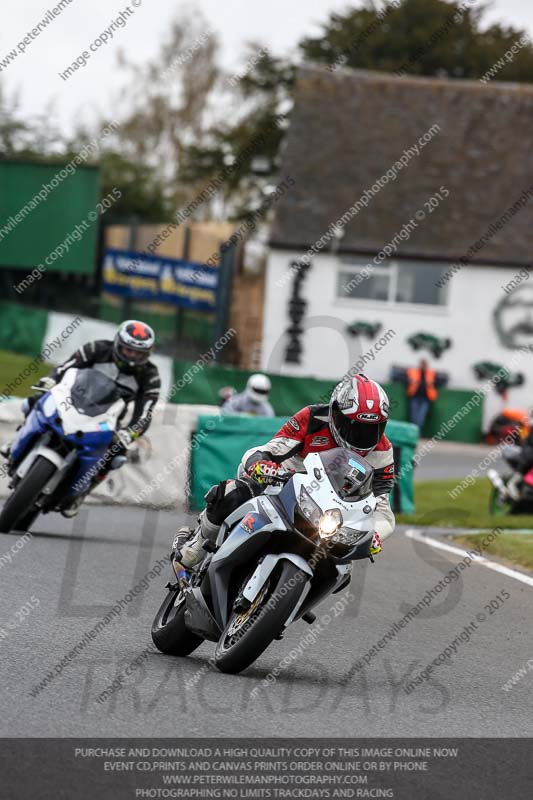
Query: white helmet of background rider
(133, 345)
(258, 387)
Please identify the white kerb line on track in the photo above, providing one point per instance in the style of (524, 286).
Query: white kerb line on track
(481, 560)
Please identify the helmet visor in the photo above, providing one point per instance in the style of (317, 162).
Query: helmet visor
(131, 355)
(355, 433)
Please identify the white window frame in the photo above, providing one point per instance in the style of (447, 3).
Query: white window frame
(391, 269)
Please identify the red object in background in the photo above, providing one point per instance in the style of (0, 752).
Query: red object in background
(511, 423)
(528, 478)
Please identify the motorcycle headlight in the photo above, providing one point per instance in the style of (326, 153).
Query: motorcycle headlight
(308, 508)
(330, 523)
(348, 536)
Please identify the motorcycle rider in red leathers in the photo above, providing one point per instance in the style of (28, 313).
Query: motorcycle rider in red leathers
(354, 419)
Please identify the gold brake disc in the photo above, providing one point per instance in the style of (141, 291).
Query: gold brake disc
(239, 620)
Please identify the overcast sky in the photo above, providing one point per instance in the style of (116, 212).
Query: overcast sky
(280, 24)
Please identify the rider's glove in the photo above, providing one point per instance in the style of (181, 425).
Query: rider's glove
(264, 471)
(124, 438)
(375, 547)
(45, 384)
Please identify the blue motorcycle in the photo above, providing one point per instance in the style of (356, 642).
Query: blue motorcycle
(63, 445)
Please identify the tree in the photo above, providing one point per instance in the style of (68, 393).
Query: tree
(36, 137)
(420, 37)
(247, 142)
(160, 111)
(163, 106)
(143, 194)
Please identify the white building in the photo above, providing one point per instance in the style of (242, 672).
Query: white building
(411, 199)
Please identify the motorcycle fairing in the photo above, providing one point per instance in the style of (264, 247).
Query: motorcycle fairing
(89, 437)
(275, 509)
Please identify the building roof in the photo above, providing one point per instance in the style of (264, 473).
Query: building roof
(349, 127)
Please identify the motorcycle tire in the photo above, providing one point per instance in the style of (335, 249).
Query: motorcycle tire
(244, 641)
(19, 511)
(169, 632)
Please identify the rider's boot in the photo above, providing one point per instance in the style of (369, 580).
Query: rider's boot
(72, 510)
(5, 450)
(188, 546)
(116, 463)
(513, 486)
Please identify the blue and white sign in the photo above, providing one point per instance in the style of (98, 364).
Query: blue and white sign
(164, 280)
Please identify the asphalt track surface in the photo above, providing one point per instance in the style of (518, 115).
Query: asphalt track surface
(77, 571)
(453, 460)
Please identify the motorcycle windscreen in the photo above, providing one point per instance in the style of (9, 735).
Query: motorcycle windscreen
(349, 474)
(93, 392)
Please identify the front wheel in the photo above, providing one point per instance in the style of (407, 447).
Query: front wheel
(248, 634)
(19, 510)
(169, 632)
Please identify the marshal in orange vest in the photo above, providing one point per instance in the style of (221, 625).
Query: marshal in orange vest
(414, 377)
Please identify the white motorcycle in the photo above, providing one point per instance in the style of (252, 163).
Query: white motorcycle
(60, 447)
(277, 557)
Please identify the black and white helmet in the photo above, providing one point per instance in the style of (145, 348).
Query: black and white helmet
(133, 345)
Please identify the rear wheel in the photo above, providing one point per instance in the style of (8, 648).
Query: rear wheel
(169, 632)
(19, 510)
(248, 634)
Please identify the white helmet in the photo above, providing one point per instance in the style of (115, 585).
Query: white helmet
(258, 387)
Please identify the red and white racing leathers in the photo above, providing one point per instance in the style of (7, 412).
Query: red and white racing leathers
(308, 432)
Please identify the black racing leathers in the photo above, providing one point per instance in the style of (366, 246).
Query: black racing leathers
(142, 385)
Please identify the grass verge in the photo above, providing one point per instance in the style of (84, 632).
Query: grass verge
(469, 510)
(12, 368)
(515, 549)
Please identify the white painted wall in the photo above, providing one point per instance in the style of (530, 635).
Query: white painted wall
(328, 353)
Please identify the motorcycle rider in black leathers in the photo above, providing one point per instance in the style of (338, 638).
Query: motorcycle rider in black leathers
(127, 358)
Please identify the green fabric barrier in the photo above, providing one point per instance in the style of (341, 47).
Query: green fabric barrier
(200, 384)
(451, 401)
(22, 329)
(404, 435)
(220, 442)
(195, 383)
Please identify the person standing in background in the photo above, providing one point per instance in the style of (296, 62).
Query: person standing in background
(421, 392)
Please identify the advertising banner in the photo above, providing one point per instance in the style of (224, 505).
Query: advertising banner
(165, 280)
